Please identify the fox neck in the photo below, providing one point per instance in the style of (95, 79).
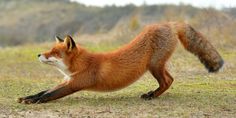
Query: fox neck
(65, 68)
(76, 64)
(66, 73)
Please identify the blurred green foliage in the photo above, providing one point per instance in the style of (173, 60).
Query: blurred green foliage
(27, 21)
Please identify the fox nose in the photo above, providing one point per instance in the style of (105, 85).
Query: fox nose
(39, 55)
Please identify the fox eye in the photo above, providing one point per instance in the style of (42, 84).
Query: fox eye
(57, 54)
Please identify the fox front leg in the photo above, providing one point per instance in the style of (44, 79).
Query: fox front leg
(55, 94)
(52, 94)
(34, 98)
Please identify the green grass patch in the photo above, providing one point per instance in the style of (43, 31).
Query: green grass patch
(194, 93)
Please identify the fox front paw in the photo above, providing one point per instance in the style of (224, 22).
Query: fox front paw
(19, 100)
(28, 100)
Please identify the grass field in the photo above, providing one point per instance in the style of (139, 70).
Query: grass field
(194, 93)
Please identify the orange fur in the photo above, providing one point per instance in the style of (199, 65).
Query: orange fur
(110, 71)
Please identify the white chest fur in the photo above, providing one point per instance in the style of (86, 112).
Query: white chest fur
(65, 73)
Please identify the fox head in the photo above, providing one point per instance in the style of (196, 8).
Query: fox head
(61, 54)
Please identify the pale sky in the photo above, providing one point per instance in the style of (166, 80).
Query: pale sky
(198, 3)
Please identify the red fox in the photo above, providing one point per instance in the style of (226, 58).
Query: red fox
(149, 51)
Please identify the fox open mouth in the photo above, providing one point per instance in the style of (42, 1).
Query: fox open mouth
(48, 62)
(53, 61)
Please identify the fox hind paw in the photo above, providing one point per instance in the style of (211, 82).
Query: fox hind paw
(148, 96)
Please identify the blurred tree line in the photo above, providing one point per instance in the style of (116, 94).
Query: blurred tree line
(25, 21)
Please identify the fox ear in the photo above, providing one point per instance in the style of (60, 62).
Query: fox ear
(58, 39)
(69, 42)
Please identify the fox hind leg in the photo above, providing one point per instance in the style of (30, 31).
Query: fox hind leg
(158, 70)
(164, 79)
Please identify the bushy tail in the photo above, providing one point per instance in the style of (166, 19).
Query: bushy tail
(197, 44)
